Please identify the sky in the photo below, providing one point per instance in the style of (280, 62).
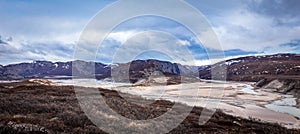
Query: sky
(49, 30)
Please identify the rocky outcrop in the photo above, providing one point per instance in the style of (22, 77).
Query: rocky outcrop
(282, 86)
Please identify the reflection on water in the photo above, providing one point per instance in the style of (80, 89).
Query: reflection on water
(285, 109)
(285, 105)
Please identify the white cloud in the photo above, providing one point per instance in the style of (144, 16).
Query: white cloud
(237, 27)
(183, 42)
(152, 41)
(121, 36)
(20, 51)
(242, 29)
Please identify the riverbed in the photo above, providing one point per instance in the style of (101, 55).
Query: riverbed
(234, 98)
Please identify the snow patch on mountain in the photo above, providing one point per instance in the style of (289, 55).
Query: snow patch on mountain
(228, 63)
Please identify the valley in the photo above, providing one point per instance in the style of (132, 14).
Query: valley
(253, 90)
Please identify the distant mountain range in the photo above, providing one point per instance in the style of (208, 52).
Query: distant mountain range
(251, 68)
(137, 69)
(42, 69)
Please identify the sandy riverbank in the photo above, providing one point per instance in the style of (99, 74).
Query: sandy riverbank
(234, 98)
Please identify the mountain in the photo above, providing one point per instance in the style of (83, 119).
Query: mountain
(251, 68)
(137, 69)
(141, 69)
(261, 69)
(42, 69)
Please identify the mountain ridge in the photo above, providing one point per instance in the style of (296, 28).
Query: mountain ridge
(249, 68)
(137, 68)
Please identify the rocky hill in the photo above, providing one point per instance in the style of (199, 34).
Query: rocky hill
(261, 69)
(141, 69)
(254, 68)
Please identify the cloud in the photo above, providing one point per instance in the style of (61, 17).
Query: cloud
(290, 47)
(243, 28)
(237, 24)
(252, 31)
(183, 42)
(56, 22)
(143, 44)
(42, 29)
(4, 41)
(19, 51)
(284, 12)
(121, 36)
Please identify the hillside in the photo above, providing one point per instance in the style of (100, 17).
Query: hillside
(255, 68)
